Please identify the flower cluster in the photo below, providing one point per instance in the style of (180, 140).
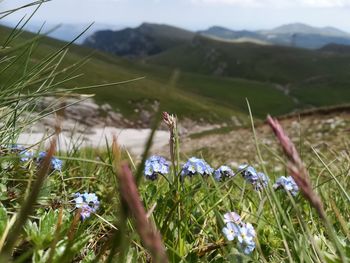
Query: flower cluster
(196, 166)
(154, 166)
(244, 232)
(258, 180)
(288, 184)
(223, 172)
(87, 202)
(56, 164)
(24, 153)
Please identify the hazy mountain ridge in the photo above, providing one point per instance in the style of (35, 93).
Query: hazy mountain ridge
(296, 34)
(300, 28)
(147, 39)
(150, 39)
(225, 33)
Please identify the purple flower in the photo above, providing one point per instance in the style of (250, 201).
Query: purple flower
(86, 211)
(232, 217)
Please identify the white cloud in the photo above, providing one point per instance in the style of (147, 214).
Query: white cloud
(278, 3)
(325, 3)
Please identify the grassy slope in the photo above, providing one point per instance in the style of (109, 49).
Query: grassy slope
(282, 65)
(103, 68)
(196, 96)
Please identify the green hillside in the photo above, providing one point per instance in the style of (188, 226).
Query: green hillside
(265, 63)
(313, 77)
(195, 96)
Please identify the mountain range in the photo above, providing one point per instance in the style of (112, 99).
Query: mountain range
(150, 39)
(147, 39)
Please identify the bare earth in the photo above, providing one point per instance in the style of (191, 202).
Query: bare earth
(132, 139)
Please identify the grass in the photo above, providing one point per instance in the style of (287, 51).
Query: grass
(41, 221)
(189, 218)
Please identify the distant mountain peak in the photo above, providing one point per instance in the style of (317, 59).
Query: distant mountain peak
(301, 28)
(144, 40)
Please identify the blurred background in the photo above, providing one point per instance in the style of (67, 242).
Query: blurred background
(199, 59)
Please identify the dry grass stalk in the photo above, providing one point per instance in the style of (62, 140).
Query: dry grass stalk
(170, 121)
(149, 235)
(296, 167)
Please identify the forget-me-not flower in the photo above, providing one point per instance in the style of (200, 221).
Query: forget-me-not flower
(154, 166)
(246, 237)
(231, 230)
(223, 172)
(244, 232)
(87, 202)
(232, 217)
(258, 180)
(196, 166)
(288, 184)
(24, 153)
(56, 164)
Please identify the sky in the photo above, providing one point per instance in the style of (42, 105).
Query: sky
(191, 14)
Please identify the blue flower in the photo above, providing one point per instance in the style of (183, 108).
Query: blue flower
(244, 232)
(87, 202)
(56, 164)
(258, 180)
(248, 173)
(246, 237)
(288, 184)
(26, 155)
(247, 248)
(223, 172)
(262, 181)
(16, 148)
(154, 166)
(231, 230)
(196, 166)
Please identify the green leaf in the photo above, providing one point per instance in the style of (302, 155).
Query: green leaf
(3, 219)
